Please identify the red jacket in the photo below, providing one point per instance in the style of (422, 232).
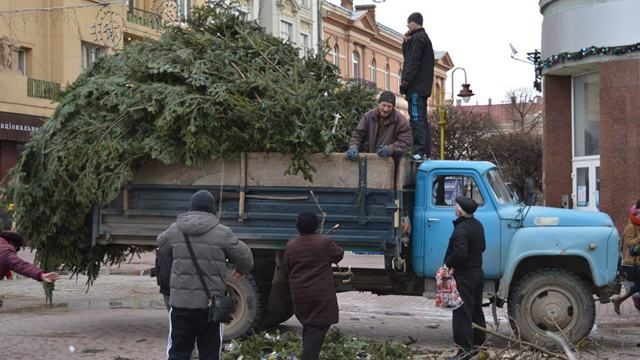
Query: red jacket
(9, 260)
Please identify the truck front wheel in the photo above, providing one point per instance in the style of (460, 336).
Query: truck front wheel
(552, 300)
(248, 311)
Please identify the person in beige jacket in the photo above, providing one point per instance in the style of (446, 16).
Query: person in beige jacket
(630, 264)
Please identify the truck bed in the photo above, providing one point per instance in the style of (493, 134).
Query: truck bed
(260, 203)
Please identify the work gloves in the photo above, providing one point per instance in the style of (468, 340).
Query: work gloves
(383, 152)
(352, 154)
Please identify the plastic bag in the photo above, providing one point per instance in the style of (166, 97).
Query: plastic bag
(447, 295)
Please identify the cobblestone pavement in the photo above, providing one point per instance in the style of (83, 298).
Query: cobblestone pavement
(123, 317)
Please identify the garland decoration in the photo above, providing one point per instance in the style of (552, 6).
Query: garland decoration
(588, 52)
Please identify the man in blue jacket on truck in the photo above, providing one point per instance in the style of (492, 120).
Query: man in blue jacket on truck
(464, 255)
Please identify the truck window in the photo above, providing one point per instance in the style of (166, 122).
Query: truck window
(447, 187)
(498, 186)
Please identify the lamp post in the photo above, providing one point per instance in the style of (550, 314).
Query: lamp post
(465, 93)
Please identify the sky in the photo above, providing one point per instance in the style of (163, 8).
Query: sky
(477, 35)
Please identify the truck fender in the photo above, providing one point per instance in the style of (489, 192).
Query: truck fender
(588, 243)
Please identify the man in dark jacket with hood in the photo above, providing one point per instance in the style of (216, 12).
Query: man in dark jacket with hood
(464, 256)
(307, 262)
(417, 81)
(212, 244)
(382, 130)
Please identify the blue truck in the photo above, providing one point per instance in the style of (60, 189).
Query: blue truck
(548, 265)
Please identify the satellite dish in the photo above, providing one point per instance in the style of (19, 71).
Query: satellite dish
(513, 49)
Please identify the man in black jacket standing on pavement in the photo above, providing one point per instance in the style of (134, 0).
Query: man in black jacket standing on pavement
(464, 255)
(417, 81)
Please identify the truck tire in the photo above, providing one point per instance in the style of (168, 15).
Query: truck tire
(548, 300)
(248, 310)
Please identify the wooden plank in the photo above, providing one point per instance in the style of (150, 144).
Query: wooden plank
(213, 172)
(267, 169)
(332, 171)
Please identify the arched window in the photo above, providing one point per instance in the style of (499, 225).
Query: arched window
(355, 60)
(387, 78)
(336, 55)
(374, 70)
(399, 79)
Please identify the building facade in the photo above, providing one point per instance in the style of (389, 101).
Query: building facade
(372, 52)
(590, 63)
(513, 116)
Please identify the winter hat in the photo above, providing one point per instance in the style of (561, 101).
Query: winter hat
(468, 205)
(416, 17)
(203, 201)
(388, 97)
(307, 223)
(13, 238)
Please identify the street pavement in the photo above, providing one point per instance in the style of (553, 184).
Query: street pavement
(122, 317)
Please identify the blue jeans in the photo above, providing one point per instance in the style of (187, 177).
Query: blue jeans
(419, 123)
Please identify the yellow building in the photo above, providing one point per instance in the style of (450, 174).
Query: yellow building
(46, 44)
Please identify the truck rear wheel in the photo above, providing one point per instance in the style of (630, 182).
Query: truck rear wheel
(248, 311)
(553, 300)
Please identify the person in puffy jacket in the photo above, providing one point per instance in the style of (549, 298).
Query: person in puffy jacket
(212, 243)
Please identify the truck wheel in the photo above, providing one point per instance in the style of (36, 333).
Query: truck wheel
(551, 300)
(248, 311)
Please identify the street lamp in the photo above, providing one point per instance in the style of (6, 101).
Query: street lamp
(465, 93)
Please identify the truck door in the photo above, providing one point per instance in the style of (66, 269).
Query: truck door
(443, 188)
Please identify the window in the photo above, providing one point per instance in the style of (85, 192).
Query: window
(374, 70)
(184, 8)
(387, 78)
(90, 54)
(447, 187)
(586, 110)
(304, 41)
(399, 79)
(500, 189)
(286, 31)
(21, 65)
(336, 55)
(306, 3)
(355, 59)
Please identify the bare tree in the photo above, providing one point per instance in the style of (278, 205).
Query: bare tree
(523, 102)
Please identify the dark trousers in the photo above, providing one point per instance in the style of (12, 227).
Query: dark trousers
(312, 339)
(189, 326)
(419, 124)
(632, 273)
(470, 285)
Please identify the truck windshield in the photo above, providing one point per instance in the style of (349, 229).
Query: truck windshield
(499, 188)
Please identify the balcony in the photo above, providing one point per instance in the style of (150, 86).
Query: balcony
(43, 89)
(144, 18)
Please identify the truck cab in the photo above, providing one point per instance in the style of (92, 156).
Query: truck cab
(546, 263)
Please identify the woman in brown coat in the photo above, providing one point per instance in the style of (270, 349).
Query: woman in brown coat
(630, 264)
(307, 261)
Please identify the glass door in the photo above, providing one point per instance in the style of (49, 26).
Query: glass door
(586, 184)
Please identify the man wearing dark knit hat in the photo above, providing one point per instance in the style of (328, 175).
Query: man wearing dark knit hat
(382, 130)
(211, 244)
(464, 256)
(417, 81)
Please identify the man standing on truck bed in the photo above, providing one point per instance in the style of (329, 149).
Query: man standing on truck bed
(416, 82)
(212, 244)
(464, 255)
(382, 130)
(307, 262)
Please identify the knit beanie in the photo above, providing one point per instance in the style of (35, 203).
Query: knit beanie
(388, 97)
(416, 17)
(203, 201)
